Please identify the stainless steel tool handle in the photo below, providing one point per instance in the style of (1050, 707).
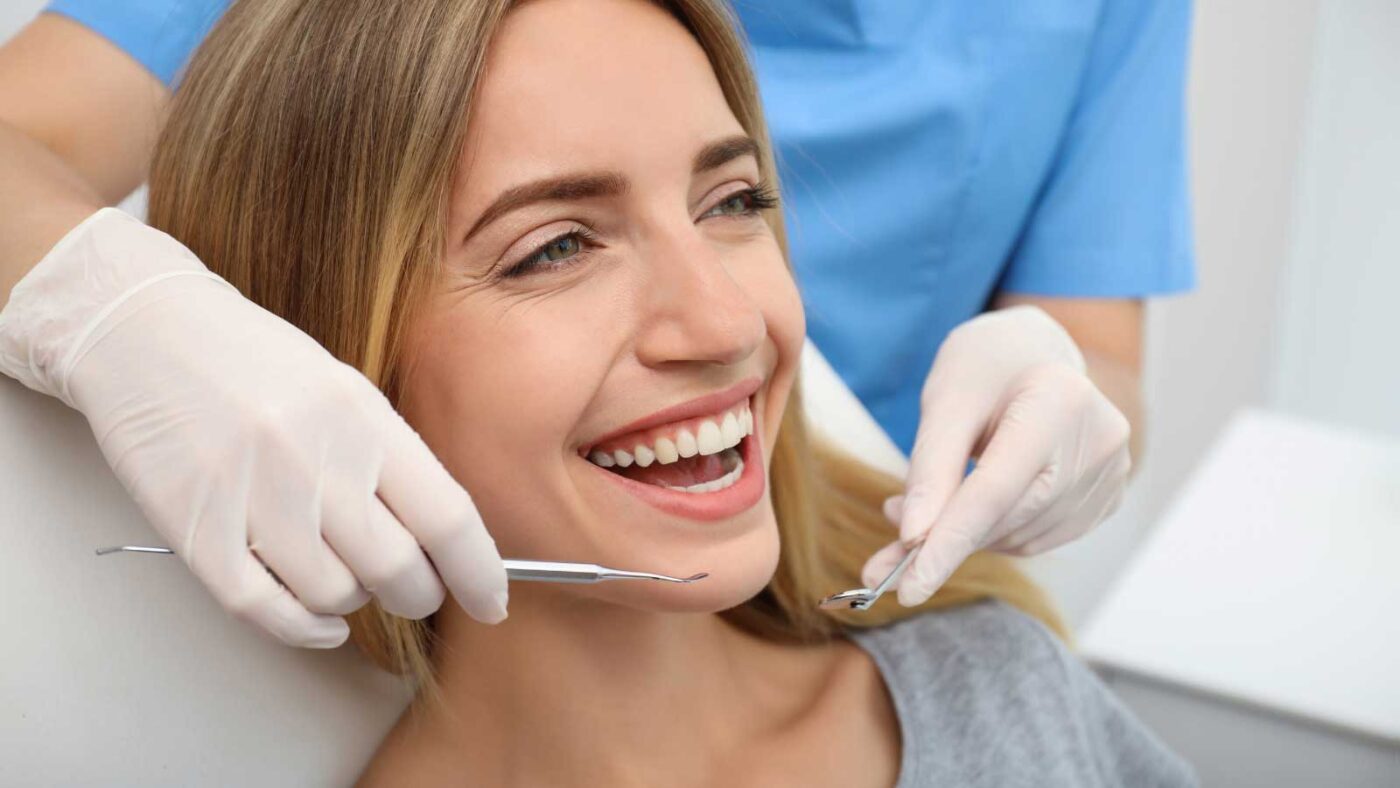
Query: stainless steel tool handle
(552, 571)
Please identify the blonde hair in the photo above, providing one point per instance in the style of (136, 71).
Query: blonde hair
(307, 159)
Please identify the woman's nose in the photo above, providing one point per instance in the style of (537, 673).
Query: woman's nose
(696, 308)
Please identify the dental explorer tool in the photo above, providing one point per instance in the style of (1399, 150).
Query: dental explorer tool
(863, 598)
(516, 569)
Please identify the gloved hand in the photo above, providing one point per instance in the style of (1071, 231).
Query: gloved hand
(241, 439)
(1010, 388)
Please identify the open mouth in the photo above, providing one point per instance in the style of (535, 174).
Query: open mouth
(698, 455)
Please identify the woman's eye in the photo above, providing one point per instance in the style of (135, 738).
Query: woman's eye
(737, 203)
(746, 202)
(558, 252)
(558, 249)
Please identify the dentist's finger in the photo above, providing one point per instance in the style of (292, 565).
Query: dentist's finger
(264, 602)
(242, 585)
(879, 565)
(1043, 505)
(1056, 537)
(1073, 512)
(310, 569)
(387, 559)
(284, 530)
(440, 514)
(934, 565)
(1013, 458)
(893, 509)
(947, 435)
(1014, 542)
(216, 551)
(1058, 534)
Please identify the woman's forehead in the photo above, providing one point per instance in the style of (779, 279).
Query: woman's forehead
(592, 84)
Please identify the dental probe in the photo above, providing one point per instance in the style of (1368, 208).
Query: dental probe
(863, 598)
(516, 569)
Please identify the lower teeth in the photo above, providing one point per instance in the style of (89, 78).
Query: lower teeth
(722, 482)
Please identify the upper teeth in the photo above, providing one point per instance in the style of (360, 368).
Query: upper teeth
(710, 435)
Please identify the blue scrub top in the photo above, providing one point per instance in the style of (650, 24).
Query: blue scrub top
(932, 153)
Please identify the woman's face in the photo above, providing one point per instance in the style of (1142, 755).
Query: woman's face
(612, 296)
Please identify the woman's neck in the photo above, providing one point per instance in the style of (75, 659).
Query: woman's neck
(573, 690)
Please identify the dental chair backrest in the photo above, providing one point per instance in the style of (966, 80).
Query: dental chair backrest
(123, 670)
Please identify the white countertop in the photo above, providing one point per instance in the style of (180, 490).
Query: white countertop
(1274, 578)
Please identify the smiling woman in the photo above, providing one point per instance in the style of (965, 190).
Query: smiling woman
(547, 231)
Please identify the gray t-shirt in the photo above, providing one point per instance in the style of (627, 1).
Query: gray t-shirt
(987, 696)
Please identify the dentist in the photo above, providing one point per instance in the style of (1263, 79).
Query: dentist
(980, 197)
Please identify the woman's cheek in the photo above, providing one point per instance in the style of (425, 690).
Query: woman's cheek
(776, 293)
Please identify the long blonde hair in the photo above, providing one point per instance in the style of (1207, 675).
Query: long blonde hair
(307, 159)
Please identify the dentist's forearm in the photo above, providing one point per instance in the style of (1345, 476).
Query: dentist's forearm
(78, 120)
(41, 199)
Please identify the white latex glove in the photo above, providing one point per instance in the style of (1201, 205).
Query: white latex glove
(1008, 387)
(246, 444)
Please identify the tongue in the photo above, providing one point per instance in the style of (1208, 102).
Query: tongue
(685, 472)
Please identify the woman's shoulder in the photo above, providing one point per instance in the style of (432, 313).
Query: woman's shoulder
(985, 658)
(991, 690)
(988, 635)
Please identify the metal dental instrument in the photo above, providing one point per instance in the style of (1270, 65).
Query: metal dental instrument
(516, 569)
(863, 598)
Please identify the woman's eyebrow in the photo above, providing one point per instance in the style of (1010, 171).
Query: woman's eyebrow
(721, 152)
(563, 188)
(585, 186)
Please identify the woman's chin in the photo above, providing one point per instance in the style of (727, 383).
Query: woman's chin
(736, 572)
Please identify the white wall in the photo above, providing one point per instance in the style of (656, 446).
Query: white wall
(1337, 357)
(1209, 352)
(15, 13)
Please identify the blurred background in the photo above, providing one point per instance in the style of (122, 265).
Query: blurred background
(1243, 599)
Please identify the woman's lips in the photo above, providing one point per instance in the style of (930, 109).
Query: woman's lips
(708, 405)
(708, 506)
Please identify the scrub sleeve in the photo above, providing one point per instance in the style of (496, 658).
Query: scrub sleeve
(159, 34)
